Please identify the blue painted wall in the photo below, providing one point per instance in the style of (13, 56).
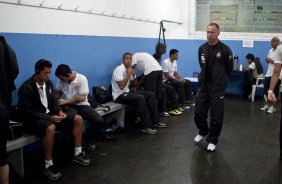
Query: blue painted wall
(96, 57)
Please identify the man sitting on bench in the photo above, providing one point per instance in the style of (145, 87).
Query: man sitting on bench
(42, 115)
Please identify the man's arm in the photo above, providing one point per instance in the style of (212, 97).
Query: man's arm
(74, 100)
(129, 72)
(275, 77)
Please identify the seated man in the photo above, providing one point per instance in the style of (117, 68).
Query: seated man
(42, 115)
(74, 88)
(169, 95)
(255, 70)
(145, 101)
(171, 77)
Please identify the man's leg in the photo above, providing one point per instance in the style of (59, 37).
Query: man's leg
(4, 174)
(4, 167)
(179, 88)
(46, 129)
(216, 117)
(137, 100)
(201, 113)
(151, 105)
(153, 82)
(188, 91)
(95, 122)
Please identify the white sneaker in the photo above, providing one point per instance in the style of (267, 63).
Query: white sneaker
(271, 110)
(211, 147)
(198, 138)
(265, 108)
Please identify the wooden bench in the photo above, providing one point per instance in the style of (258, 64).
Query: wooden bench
(15, 147)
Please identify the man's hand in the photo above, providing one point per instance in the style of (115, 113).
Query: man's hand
(56, 118)
(271, 97)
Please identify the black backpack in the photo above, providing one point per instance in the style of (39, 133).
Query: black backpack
(102, 94)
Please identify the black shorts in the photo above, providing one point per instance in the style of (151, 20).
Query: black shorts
(39, 126)
(3, 141)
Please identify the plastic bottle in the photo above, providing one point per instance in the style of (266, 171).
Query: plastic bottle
(236, 63)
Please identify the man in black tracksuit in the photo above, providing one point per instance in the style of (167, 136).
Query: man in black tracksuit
(216, 61)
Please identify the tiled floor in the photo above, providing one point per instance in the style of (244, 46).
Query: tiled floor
(247, 153)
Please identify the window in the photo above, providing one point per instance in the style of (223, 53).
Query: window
(252, 16)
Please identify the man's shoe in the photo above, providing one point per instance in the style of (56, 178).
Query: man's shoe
(178, 111)
(198, 138)
(185, 107)
(90, 146)
(211, 147)
(160, 125)
(271, 110)
(173, 112)
(52, 173)
(81, 159)
(265, 108)
(150, 131)
(165, 114)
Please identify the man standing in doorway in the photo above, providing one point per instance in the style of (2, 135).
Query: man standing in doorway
(216, 62)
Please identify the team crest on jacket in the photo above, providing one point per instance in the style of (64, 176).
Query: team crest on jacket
(218, 54)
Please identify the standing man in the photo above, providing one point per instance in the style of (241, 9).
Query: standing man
(42, 116)
(8, 73)
(152, 72)
(171, 77)
(271, 57)
(271, 96)
(144, 101)
(216, 62)
(74, 88)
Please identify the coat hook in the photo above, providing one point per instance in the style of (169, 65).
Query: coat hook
(60, 7)
(123, 16)
(41, 4)
(114, 14)
(20, 2)
(76, 9)
(132, 17)
(102, 13)
(90, 11)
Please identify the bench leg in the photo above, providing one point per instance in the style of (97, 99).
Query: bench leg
(16, 159)
(119, 116)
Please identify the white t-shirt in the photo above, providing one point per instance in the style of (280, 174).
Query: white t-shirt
(272, 54)
(170, 67)
(278, 58)
(254, 71)
(145, 62)
(119, 74)
(79, 86)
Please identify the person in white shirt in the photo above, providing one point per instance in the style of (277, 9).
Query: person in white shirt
(171, 77)
(152, 72)
(74, 88)
(255, 70)
(271, 96)
(144, 101)
(271, 57)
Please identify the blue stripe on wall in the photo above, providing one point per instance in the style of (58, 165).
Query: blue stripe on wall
(97, 56)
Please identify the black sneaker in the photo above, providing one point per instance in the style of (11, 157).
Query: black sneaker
(150, 131)
(90, 146)
(52, 173)
(81, 159)
(160, 125)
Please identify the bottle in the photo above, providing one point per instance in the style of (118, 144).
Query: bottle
(241, 67)
(235, 63)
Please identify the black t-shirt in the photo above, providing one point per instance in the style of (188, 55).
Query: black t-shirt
(210, 60)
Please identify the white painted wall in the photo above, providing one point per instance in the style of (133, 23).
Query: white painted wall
(24, 19)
